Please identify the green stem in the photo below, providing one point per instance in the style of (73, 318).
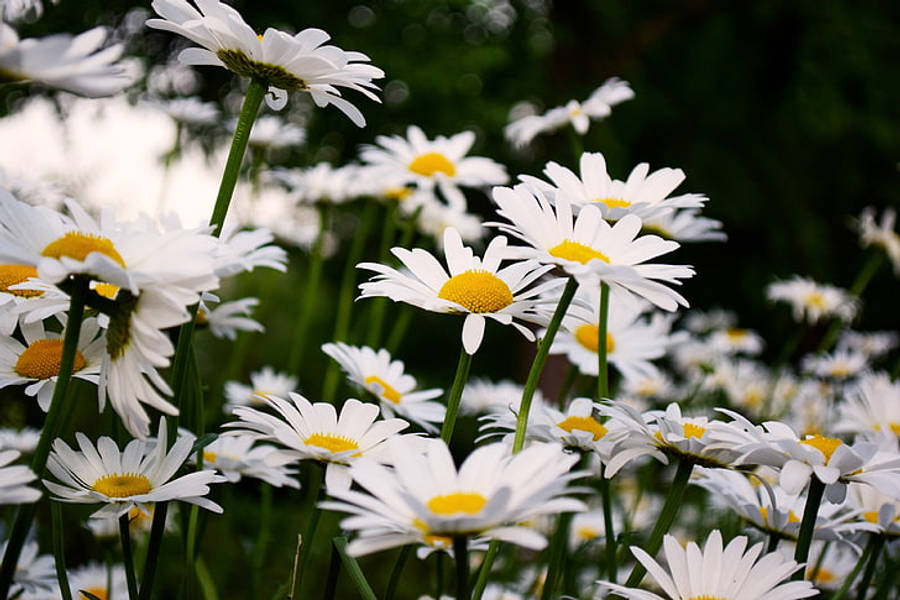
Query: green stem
(461, 556)
(187, 581)
(557, 550)
(484, 571)
(312, 524)
(808, 524)
(255, 93)
(870, 267)
(59, 552)
(774, 538)
(398, 331)
(262, 538)
(394, 580)
(295, 357)
(459, 382)
(849, 579)
(602, 368)
(537, 367)
(863, 588)
(53, 424)
(576, 145)
(128, 556)
(379, 306)
(609, 529)
(666, 518)
(157, 529)
(334, 571)
(353, 570)
(887, 581)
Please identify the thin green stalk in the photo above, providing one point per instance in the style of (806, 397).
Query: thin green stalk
(819, 562)
(190, 553)
(334, 571)
(557, 551)
(863, 588)
(353, 570)
(774, 538)
(870, 267)
(379, 305)
(394, 580)
(207, 585)
(602, 346)
(398, 331)
(887, 584)
(157, 529)
(292, 584)
(537, 367)
(849, 579)
(53, 425)
(459, 382)
(609, 530)
(808, 524)
(262, 539)
(312, 524)
(128, 556)
(345, 297)
(461, 556)
(484, 571)
(316, 260)
(666, 518)
(59, 552)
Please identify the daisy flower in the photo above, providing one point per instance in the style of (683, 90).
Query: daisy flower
(440, 163)
(75, 64)
(263, 384)
(714, 572)
(36, 364)
(286, 63)
(811, 301)
(482, 395)
(12, 294)
(225, 320)
(436, 217)
(384, 378)
(872, 408)
(316, 432)
(705, 321)
(14, 481)
(321, 183)
(235, 456)
(736, 340)
(685, 225)
(838, 365)
(476, 287)
(831, 568)
(272, 132)
(588, 247)
(137, 476)
(190, 111)
(643, 194)
(35, 574)
(242, 250)
(23, 440)
(425, 495)
(140, 522)
(29, 301)
(878, 510)
(97, 580)
(873, 233)
(873, 344)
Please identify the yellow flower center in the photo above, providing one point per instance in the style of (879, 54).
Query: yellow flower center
(764, 511)
(589, 337)
(477, 291)
(588, 424)
(398, 193)
(754, 396)
(825, 445)
(122, 485)
(816, 300)
(97, 592)
(209, 456)
(840, 370)
(735, 335)
(587, 533)
(331, 442)
(613, 202)
(871, 516)
(468, 503)
(16, 274)
(438, 541)
(693, 431)
(107, 290)
(576, 252)
(823, 576)
(894, 427)
(77, 245)
(41, 359)
(383, 389)
(430, 163)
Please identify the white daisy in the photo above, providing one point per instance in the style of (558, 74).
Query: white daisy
(588, 247)
(872, 408)
(736, 340)
(482, 395)
(644, 194)
(14, 481)
(317, 432)
(242, 250)
(321, 183)
(832, 568)
(97, 580)
(272, 132)
(384, 378)
(190, 111)
(36, 364)
(476, 287)
(263, 384)
(878, 510)
(29, 301)
(872, 233)
(24, 440)
(75, 64)
(440, 163)
(15, 10)
(225, 320)
(685, 225)
(700, 321)
(11, 295)
(717, 573)
(235, 456)
(838, 365)
(873, 344)
(286, 63)
(134, 477)
(425, 495)
(35, 574)
(813, 301)
(140, 522)
(436, 217)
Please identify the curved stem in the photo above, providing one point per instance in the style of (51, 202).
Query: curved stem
(59, 553)
(459, 383)
(262, 538)
(602, 345)
(849, 579)
(394, 580)
(295, 356)
(53, 424)
(379, 306)
(484, 571)
(312, 524)
(863, 588)
(461, 554)
(157, 529)
(609, 528)
(808, 524)
(128, 556)
(537, 367)
(557, 552)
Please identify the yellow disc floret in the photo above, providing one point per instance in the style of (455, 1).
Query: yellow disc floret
(97, 592)
(825, 445)
(576, 252)
(588, 424)
(468, 503)
(41, 359)
(122, 485)
(384, 390)
(331, 442)
(477, 291)
(77, 245)
(16, 274)
(693, 431)
(430, 163)
(613, 202)
(589, 337)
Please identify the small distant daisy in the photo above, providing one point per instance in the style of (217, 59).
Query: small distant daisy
(190, 111)
(589, 247)
(880, 511)
(873, 344)
(736, 576)
(137, 476)
(140, 522)
(425, 495)
(747, 384)
(476, 287)
(226, 319)
(316, 432)
(811, 301)
(320, 184)
(829, 570)
(263, 384)
(873, 233)
(384, 378)
(37, 363)
(735, 340)
(685, 225)
(235, 456)
(13, 294)
(482, 395)
(839, 365)
(273, 132)
(99, 581)
(440, 163)
(705, 321)
(24, 440)
(34, 574)
(286, 63)
(14, 480)
(872, 408)
(655, 384)
(436, 217)
(242, 250)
